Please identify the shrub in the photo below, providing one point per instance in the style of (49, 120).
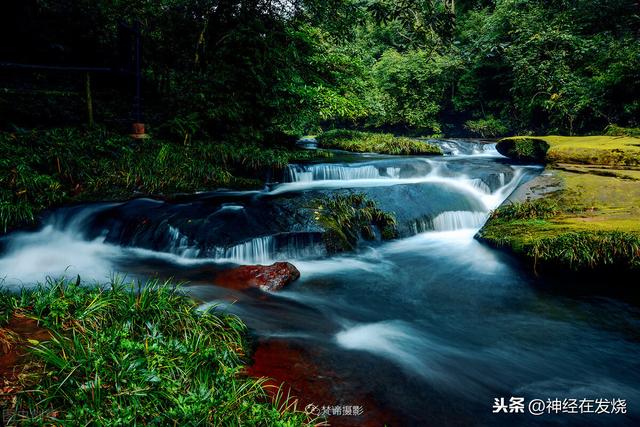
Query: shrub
(615, 130)
(524, 149)
(489, 127)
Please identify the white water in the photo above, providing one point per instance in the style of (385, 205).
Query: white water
(348, 172)
(60, 248)
(459, 220)
(260, 250)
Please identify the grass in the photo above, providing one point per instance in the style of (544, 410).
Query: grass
(383, 143)
(615, 130)
(619, 151)
(120, 356)
(593, 224)
(43, 169)
(351, 217)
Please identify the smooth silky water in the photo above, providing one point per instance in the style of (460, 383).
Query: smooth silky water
(430, 327)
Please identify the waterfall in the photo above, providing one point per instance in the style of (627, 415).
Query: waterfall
(179, 244)
(268, 249)
(259, 250)
(458, 220)
(325, 172)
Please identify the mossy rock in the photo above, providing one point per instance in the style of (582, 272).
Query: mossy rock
(524, 149)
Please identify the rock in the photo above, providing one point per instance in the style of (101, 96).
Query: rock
(265, 277)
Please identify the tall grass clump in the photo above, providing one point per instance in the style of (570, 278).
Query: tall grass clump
(587, 250)
(122, 356)
(543, 208)
(367, 142)
(351, 217)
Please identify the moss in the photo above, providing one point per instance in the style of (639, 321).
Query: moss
(588, 150)
(593, 224)
(383, 143)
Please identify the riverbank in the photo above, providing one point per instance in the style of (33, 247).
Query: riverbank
(582, 214)
(119, 355)
(43, 169)
(381, 143)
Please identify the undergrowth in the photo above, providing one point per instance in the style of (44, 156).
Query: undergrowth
(43, 169)
(121, 356)
(384, 143)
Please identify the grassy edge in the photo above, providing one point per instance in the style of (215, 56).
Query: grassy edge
(369, 142)
(123, 354)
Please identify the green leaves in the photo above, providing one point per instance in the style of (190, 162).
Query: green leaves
(349, 218)
(118, 356)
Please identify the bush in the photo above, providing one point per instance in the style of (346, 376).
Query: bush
(615, 130)
(489, 127)
(524, 149)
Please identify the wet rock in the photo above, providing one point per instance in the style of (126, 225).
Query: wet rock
(265, 277)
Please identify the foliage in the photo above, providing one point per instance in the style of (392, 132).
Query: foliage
(615, 130)
(489, 127)
(366, 142)
(543, 208)
(42, 169)
(589, 250)
(123, 356)
(351, 217)
(245, 68)
(524, 149)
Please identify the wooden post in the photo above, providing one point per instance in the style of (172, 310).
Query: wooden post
(89, 99)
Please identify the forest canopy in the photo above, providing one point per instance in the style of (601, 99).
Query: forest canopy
(224, 69)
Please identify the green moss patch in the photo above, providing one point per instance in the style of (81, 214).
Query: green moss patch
(593, 224)
(619, 151)
(383, 143)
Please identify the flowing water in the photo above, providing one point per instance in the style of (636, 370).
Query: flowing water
(430, 327)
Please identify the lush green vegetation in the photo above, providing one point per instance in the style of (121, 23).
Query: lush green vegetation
(620, 151)
(259, 69)
(368, 142)
(524, 149)
(120, 356)
(351, 217)
(42, 169)
(592, 223)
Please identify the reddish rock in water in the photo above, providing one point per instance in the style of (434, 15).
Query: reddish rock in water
(292, 368)
(266, 277)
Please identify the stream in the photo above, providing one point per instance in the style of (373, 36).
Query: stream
(427, 329)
